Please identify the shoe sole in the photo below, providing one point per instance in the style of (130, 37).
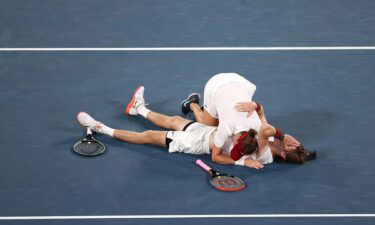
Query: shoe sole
(92, 131)
(78, 119)
(183, 101)
(131, 103)
(190, 96)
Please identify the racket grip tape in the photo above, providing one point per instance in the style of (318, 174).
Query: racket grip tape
(203, 165)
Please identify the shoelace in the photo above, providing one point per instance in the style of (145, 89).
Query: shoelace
(135, 103)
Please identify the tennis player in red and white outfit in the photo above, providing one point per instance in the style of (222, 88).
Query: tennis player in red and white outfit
(228, 104)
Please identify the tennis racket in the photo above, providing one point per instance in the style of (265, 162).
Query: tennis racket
(89, 146)
(222, 181)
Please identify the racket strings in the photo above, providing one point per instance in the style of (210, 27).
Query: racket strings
(228, 183)
(89, 147)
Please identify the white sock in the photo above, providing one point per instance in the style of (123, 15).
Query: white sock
(106, 130)
(142, 110)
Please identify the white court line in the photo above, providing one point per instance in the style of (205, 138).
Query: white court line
(185, 216)
(333, 48)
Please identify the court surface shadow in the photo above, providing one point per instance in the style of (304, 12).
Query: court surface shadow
(306, 125)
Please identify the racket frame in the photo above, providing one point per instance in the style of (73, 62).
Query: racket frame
(213, 174)
(89, 137)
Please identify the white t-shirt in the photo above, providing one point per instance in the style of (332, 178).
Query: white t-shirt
(230, 121)
(265, 158)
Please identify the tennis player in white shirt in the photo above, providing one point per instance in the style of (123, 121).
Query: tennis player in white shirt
(228, 104)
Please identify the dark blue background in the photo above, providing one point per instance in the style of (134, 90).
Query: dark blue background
(161, 23)
(324, 98)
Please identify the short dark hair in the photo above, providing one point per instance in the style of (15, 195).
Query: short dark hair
(298, 156)
(250, 143)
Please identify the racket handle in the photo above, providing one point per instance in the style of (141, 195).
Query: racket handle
(203, 165)
(89, 132)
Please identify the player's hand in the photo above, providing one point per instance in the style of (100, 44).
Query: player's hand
(248, 107)
(253, 164)
(290, 143)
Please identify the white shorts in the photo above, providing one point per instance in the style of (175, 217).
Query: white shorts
(215, 83)
(194, 140)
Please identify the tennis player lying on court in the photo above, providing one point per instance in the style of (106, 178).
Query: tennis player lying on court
(196, 138)
(228, 99)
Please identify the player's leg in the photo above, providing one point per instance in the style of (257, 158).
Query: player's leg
(137, 107)
(169, 122)
(208, 115)
(191, 104)
(202, 116)
(146, 137)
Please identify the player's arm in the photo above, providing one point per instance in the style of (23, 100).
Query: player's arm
(221, 136)
(261, 114)
(267, 131)
(218, 156)
(289, 141)
(253, 164)
(250, 107)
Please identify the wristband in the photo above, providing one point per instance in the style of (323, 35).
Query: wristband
(240, 162)
(279, 134)
(259, 107)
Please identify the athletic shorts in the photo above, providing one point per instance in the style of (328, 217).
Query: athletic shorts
(194, 139)
(215, 83)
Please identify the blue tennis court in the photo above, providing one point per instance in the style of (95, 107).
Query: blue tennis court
(322, 97)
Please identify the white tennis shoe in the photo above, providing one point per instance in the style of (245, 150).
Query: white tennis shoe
(137, 100)
(87, 121)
